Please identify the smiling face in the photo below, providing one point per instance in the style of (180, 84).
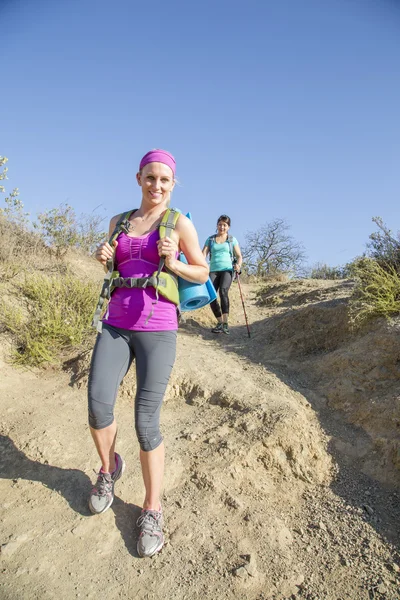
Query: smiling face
(157, 182)
(222, 227)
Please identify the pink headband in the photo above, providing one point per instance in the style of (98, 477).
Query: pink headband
(161, 156)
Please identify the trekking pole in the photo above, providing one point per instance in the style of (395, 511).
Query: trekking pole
(241, 296)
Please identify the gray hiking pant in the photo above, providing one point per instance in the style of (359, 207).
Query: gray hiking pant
(114, 351)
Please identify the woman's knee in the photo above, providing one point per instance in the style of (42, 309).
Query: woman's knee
(110, 361)
(224, 293)
(224, 299)
(149, 438)
(100, 408)
(101, 415)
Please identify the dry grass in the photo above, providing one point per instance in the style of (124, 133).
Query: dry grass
(377, 293)
(46, 307)
(21, 250)
(53, 314)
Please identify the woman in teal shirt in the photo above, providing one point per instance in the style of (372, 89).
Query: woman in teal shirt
(225, 257)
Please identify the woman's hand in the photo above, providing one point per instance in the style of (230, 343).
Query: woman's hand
(104, 252)
(168, 248)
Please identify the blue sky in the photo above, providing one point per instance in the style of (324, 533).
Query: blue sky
(272, 109)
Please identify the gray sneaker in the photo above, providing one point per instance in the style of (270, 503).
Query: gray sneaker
(217, 329)
(225, 328)
(102, 495)
(151, 538)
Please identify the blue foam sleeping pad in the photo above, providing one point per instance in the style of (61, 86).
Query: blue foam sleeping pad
(194, 295)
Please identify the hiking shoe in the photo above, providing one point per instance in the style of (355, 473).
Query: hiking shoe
(217, 329)
(225, 329)
(151, 538)
(102, 495)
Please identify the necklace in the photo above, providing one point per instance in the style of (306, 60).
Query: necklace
(133, 226)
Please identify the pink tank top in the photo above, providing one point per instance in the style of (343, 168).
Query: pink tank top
(130, 308)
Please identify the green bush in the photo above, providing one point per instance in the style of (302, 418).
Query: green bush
(377, 291)
(57, 317)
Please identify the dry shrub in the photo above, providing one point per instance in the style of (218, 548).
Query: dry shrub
(377, 292)
(19, 248)
(56, 316)
(324, 271)
(277, 277)
(275, 291)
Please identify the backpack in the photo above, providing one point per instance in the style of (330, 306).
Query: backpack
(212, 241)
(164, 282)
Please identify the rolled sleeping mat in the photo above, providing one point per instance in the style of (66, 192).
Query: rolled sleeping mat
(194, 295)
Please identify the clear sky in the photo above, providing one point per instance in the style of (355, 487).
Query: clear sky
(273, 109)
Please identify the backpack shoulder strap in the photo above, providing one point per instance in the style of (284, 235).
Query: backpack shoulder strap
(168, 222)
(121, 225)
(167, 225)
(211, 242)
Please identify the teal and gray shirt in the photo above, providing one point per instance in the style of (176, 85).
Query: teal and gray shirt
(221, 259)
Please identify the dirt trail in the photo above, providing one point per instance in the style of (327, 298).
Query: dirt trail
(268, 490)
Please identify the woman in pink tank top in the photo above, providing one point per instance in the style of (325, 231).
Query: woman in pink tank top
(130, 335)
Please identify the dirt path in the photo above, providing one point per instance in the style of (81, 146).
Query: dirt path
(264, 498)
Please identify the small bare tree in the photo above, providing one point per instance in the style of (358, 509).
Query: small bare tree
(61, 229)
(90, 231)
(271, 249)
(384, 247)
(13, 210)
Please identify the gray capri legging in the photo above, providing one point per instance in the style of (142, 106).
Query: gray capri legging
(114, 351)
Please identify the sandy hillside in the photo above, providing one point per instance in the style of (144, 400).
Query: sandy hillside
(282, 473)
